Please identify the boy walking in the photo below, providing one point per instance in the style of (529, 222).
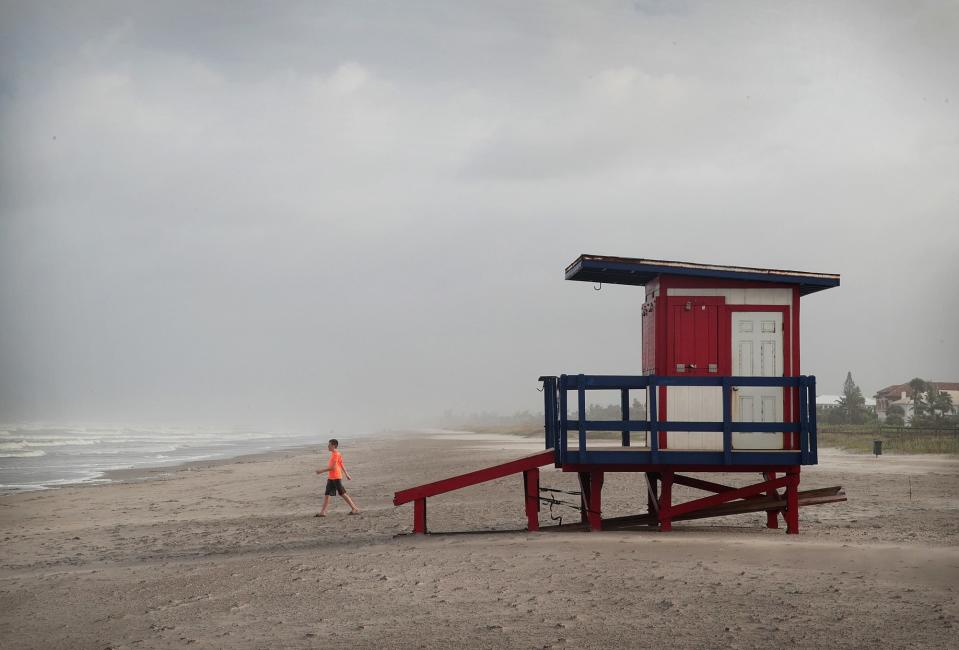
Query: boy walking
(334, 483)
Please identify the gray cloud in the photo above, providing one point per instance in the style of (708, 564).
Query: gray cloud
(354, 214)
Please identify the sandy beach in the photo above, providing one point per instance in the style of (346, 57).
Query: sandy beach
(229, 555)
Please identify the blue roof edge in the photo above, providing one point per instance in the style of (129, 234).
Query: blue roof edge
(595, 268)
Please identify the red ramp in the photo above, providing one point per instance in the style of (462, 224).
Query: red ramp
(529, 466)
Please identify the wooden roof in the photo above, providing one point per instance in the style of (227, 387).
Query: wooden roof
(640, 271)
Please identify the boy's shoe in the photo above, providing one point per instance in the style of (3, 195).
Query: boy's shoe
(354, 512)
(319, 514)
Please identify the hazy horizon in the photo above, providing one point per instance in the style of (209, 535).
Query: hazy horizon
(353, 216)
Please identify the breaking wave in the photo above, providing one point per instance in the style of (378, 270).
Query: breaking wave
(47, 442)
(32, 453)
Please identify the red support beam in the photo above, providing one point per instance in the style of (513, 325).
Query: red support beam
(666, 502)
(792, 501)
(731, 495)
(700, 484)
(531, 485)
(595, 501)
(419, 517)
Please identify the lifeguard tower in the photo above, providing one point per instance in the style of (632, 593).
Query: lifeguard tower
(722, 390)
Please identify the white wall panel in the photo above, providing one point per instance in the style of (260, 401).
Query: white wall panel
(694, 404)
(740, 296)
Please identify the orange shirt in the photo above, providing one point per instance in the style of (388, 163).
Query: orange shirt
(336, 465)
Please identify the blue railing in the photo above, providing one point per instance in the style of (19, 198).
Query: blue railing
(801, 390)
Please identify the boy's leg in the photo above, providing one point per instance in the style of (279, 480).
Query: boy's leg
(326, 504)
(346, 497)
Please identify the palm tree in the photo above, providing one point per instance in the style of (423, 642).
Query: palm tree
(918, 387)
(939, 402)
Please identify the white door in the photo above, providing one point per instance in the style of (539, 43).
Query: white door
(757, 352)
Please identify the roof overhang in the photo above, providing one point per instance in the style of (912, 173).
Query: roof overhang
(637, 271)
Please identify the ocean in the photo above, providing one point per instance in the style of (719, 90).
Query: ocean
(42, 457)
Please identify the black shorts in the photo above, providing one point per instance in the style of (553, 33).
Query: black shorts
(334, 486)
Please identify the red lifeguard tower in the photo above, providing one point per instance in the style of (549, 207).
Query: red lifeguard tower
(722, 390)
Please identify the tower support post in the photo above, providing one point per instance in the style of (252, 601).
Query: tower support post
(419, 516)
(792, 501)
(666, 501)
(531, 491)
(595, 501)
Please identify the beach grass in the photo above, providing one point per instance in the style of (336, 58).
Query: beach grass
(898, 442)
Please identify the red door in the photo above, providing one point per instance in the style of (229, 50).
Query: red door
(692, 348)
(693, 344)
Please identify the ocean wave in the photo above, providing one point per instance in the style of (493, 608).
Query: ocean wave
(63, 442)
(6, 488)
(90, 477)
(33, 453)
(129, 451)
(49, 442)
(93, 477)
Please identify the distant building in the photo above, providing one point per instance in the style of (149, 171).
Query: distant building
(901, 395)
(827, 402)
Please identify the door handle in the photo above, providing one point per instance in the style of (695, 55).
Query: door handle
(693, 365)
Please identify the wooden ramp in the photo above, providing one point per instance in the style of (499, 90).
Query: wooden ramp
(528, 465)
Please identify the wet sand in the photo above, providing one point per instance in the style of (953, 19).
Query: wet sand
(228, 554)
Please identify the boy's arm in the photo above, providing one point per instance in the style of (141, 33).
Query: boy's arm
(328, 468)
(345, 471)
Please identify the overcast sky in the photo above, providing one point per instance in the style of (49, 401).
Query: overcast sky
(349, 215)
